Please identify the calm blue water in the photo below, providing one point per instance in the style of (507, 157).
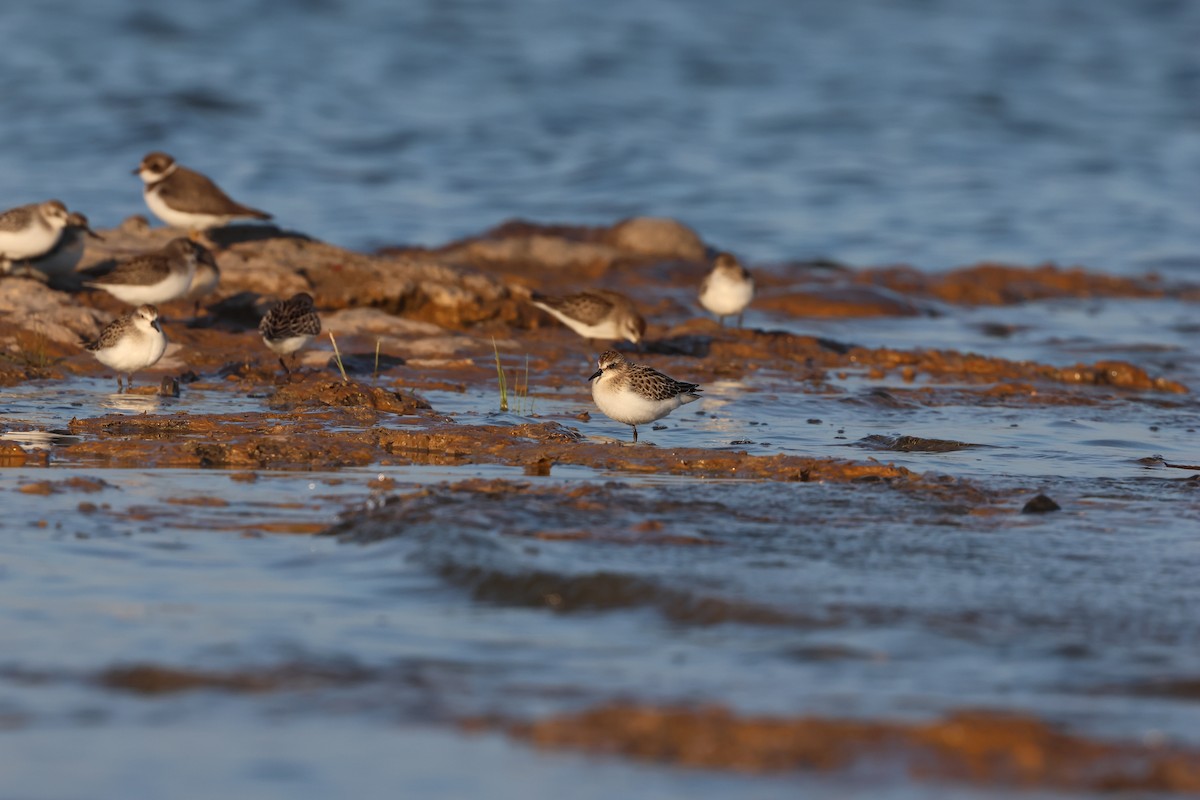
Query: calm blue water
(923, 131)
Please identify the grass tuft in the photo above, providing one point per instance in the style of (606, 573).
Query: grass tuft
(522, 402)
(337, 355)
(32, 353)
(502, 384)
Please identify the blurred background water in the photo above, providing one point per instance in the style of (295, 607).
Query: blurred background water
(933, 132)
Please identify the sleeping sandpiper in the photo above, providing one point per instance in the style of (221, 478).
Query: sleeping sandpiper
(289, 325)
(595, 314)
(130, 342)
(59, 264)
(156, 277)
(184, 198)
(728, 288)
(31, 231)
(634, 393)
(204, 282)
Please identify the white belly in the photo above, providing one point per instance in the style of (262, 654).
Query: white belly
(285, 347)
(182, 219)
(725, 296)
(133, 352)
(605, 329)
(173, 286)
(29, 243)
(631, 408)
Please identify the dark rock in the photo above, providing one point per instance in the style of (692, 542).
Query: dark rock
(1040, 505)
(912, 444)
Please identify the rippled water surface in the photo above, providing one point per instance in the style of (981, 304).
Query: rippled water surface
(927, 131)
(428, 608)
(924, 131)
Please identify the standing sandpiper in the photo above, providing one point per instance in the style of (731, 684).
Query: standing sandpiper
(130, 342)
(204, 282)
(289, 325)
(156, 277)
(634, 393)
(183, 198)
(595, 314)
(728, 288)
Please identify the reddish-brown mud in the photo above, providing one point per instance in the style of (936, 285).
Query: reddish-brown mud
(153, 680)
(1004, 284)
(326, 424)
(977, 747)
(482, 293)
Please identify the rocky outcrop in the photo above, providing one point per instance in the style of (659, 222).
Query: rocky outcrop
(525, 247)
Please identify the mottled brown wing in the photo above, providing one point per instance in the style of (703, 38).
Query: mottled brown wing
(657, 386)
(308, 324)
(587, 307)
(16, 219)
(111, 334)
(288, 319)
(193, 193)
(590, 308)
(143, 270)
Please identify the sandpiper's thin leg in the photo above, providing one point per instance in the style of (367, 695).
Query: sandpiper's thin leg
(634, 433)
(740, 315)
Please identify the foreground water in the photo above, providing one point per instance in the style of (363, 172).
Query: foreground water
(501, 594)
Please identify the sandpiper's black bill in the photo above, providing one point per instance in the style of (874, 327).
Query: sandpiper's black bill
(595, 375)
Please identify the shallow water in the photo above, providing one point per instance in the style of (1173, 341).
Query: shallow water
(922, 131)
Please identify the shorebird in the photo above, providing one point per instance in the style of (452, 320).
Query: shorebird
(204, 282)
(595, 314)
(184, 198)
(31, 231)
(156, 277)
(59, 264)
(728, 288)
(634, 393)
(289, 325)
(130, 342)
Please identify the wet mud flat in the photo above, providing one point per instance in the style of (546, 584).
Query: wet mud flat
(931, 527)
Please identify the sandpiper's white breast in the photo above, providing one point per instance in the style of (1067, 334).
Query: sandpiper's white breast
(727, 293)
(286, 347)
(182, 219)
(137, 349)
(631, 408)
(30, 242)
(174, 286)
